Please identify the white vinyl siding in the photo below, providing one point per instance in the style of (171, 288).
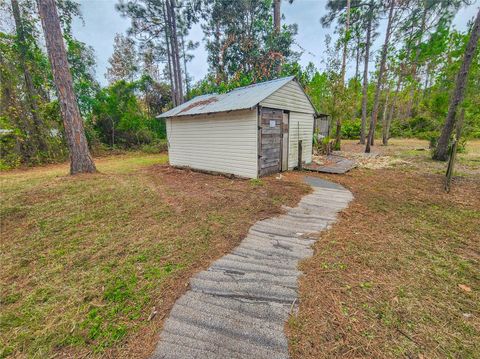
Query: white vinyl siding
(301, 125)
(289, 97)
(222, 142)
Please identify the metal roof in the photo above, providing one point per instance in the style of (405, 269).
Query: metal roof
(237, 99)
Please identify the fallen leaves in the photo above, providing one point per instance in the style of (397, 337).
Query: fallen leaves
(152, 314)
(464, 287)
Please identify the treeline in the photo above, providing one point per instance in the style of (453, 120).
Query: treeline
(416, 86)
(405, 88)
(121, 115)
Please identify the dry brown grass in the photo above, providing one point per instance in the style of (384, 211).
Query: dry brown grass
(388, 280)
(86, 258)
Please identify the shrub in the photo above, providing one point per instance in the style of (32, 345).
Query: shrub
(119, 119)
(475, 134)
(158, 146)
(418, 127)
(351, 129)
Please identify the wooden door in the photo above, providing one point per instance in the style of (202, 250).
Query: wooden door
(270, 141)
(285, 126)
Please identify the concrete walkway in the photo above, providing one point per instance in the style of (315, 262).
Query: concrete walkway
(238, 307)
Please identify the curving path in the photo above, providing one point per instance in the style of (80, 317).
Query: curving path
(238, 307)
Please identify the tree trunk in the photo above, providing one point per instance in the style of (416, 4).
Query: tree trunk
(175, 49)
(415, 61)
(80, 158)
(365, 77)
(459, 92)
(345, 42)
(373, 120)
(29, 87)
(386, 133)
(169, 30)
(357, 58)
(11, 108)
(384, 116)
(277, 15)
(338, 135)
(187, 86)
(169, 58)
(427, 81)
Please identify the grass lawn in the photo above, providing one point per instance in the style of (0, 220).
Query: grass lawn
(399, 274)
(85, 260)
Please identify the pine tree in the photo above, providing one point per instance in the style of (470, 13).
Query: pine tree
(156, 25)
(31, 93)
(366, 18)
(241, 40)
(425, 16)
(458, 94)
(124, 60)
(383, 61)
(277, 15)
(80, 158)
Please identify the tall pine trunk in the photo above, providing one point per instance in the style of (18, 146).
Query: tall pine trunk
(12, 109)
(385, 115)
(415, 61)
(441, 151)
(176, 48)
(169, 30)
(427, 81)
(29, 87)
(276, 14)
(386, 130)
(388, 122)
(80, 158)
(345, 43)
(342, 79)
(177, 69)
(357, 57)
(184, 57)
(365, 76)
(383, 61)
(169, 57)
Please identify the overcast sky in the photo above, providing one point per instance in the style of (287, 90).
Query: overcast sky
(102, 22)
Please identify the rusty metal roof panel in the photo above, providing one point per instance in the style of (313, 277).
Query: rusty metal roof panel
(237, 99)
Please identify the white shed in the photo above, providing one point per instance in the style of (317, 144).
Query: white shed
(249, 132)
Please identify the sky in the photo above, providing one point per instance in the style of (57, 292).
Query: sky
(101, 22)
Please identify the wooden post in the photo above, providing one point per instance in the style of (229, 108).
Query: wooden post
(300, 166)
(451, 162)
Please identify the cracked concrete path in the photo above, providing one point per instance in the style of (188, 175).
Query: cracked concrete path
(237, 308)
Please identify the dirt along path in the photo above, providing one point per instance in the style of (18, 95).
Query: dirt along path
(238, 307)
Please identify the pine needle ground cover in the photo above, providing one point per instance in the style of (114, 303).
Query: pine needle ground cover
(398, 275)
(87, 260)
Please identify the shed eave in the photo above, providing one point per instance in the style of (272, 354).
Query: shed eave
(207, 113)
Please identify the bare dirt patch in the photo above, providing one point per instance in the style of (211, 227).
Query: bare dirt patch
(412, 153)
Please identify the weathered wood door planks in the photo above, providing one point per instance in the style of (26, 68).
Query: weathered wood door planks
(270, 141)
(285, 125)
